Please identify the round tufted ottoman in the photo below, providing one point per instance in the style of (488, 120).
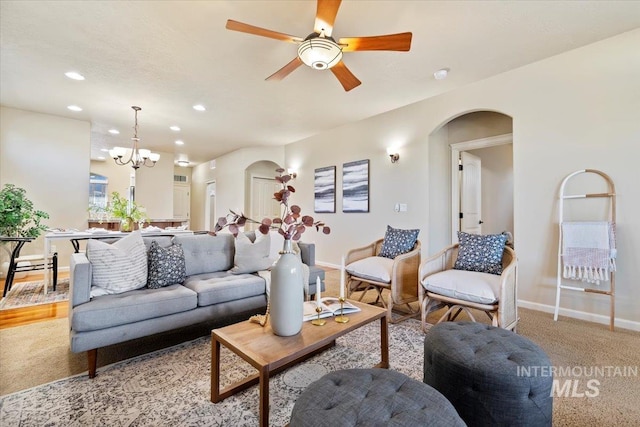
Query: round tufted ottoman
(491, 376)
(371, 397)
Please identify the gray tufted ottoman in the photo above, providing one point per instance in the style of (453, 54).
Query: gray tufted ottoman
(479, 368)
(369, 398)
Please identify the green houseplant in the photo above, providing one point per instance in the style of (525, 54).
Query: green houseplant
(18, 217)
(128, 213)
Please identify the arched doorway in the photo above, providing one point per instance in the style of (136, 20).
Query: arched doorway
(487, 135)
(260, 184)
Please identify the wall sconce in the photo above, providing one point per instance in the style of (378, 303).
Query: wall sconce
(393, 155)
(293, 173)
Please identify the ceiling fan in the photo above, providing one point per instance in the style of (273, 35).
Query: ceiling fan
(320, 51)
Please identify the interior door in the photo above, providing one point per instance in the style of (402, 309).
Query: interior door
(263, 205)
(181, 201)
(471, 193)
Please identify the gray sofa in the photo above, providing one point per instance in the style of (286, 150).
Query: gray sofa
(210, 294)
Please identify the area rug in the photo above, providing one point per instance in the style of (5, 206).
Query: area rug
(23, 294)
(171, 387)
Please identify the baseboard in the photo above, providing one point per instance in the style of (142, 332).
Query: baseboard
(581, 315)
(327, 264)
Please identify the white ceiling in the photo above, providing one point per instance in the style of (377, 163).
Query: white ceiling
(166, 56)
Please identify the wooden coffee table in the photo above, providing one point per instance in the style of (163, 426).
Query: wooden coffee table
(269, 353)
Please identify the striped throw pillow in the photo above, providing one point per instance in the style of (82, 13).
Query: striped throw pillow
(118, 267)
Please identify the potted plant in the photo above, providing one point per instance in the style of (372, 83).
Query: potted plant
(129, 213)
(18, 217)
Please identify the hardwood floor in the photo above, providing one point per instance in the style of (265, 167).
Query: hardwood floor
(36, 313)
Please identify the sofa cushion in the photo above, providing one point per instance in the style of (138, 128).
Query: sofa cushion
(481, 253)
(120, 266)
(251, 256)
(397, 242)
(204, 253)
(483, 288)
(133, 306)
(219, 287)
(166, 266)
(373, 268)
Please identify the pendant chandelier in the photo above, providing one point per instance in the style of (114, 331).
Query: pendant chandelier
(139, 156)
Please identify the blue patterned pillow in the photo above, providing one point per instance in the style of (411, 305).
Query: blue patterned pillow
(397, 242)
(166, 265)
(481, 253)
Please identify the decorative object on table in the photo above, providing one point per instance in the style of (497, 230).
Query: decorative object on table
(138, 156)
(18, 219)
(355, 186)
(318, 321)
(286, 289)
(342, 318)
(324, 190)
(127, 211)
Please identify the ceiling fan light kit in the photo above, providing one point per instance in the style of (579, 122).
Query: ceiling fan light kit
(320, 51)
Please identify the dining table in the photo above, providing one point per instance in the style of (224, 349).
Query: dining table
(75, 236)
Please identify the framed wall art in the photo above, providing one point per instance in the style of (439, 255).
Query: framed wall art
(324, 190)
(355, 186)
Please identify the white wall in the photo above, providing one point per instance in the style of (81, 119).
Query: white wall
(572, 111)
(230, 179)
(48, 156)
(154, 187)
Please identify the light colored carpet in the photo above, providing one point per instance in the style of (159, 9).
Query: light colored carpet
(23, 294)
(38, 353)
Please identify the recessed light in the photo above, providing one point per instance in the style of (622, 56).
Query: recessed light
(104, 150)
(74, 108)
(441, 74)
(175, 128)
(199, 107)
(114, 131)
(74, 75)
(179, 142)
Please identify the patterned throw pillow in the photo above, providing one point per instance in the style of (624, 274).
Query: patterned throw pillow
(397, 242)
(117, 267)
(166, 265)
(482, 253)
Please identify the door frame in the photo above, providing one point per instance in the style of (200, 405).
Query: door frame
(207, 206)
(456, 148)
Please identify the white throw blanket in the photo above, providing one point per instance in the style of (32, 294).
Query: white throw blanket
(588, 250)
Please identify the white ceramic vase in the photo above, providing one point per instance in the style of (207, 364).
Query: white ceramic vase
(286, 295)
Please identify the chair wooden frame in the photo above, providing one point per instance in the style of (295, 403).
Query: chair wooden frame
(503, 314)
(403, 286)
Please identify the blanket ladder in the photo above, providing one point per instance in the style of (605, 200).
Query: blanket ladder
(611, 195)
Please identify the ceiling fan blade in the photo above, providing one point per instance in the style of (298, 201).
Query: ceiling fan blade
(286, 70)
(326, 15)
(345, 76)
(251, 29)
(400, 41)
